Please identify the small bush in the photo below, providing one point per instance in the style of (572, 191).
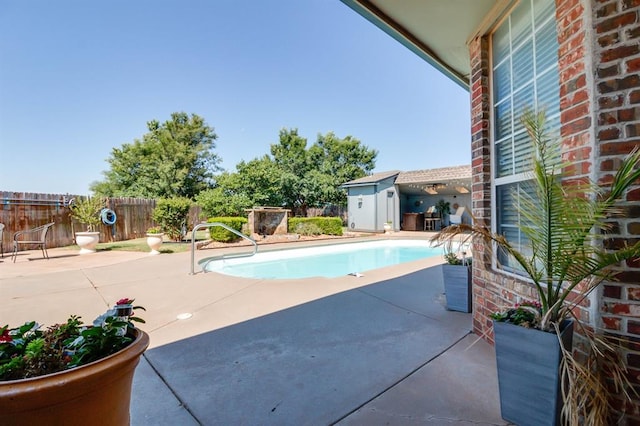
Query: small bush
(308, 229)
(327, 225)
(172, 214)
(220, 234)
(87, 211)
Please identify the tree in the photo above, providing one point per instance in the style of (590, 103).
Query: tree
(174, 159)
(293, 176)
(312, 177)
(255, 183)
(337, 161)
(291, 159)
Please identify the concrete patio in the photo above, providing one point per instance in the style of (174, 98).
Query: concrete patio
(378, 349)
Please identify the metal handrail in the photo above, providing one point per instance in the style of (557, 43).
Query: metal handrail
(209, 225)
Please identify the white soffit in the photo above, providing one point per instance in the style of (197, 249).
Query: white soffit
(437, 30)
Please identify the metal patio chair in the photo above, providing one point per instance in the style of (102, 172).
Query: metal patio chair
(35, 236)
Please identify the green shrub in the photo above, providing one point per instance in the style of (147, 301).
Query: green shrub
(327, 225)
(218, 233)
(172, 214)
(87, 211)
(308, 229)
(218, 202)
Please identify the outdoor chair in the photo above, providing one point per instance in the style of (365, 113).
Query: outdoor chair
(456, 219)
(1, 235)
(35, 236)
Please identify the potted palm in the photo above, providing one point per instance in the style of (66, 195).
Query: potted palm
(87, 212)
(155, 237)
(564, 262)
(443, 208)
(70, 373)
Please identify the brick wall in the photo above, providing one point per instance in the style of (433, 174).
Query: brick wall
(616, 33)
(485, 292)
(599, 67)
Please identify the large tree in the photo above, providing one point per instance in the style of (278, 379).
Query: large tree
(336, 161)
(255, 183)
(174, 159)
(293, 176)
(312, 177)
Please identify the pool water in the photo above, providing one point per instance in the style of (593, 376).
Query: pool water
(326, 261)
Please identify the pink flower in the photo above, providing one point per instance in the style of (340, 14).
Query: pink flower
(124, 301)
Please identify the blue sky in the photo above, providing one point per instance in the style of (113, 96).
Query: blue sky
(78, 78)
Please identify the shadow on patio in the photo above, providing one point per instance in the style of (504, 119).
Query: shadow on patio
(386, 353)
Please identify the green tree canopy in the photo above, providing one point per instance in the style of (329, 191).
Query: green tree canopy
(294, 176)
(312, 177)
(255, 183)
(174, 159)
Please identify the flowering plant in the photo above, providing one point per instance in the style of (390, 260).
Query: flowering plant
(26, 351)
(526, 314)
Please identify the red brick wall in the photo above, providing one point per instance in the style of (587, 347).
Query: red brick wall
(599, 68)
(486, 293)
(616, 32)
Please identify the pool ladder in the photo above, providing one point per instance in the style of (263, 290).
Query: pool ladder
(223, 257)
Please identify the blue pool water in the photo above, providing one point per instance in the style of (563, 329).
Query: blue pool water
(326, 261)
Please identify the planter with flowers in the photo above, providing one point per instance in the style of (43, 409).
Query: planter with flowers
(87, 212)
(155, 237)
(564, 261)
(69, 373)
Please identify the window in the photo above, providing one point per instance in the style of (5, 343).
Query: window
(524, 75)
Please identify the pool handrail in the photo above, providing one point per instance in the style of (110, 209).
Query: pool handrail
(228, 228)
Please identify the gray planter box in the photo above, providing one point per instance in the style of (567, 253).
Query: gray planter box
(528, 363)
(457, 287)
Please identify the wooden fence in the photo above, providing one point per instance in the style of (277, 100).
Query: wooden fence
(20, 211)
(331, 211)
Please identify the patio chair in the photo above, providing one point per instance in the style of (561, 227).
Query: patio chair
(1, 235)
(35, 236)
(456, 219)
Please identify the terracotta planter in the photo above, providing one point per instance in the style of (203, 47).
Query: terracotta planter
(96, 393)
(87, 241)
(154, 241)
(528, 363)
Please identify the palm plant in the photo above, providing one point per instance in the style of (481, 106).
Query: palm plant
(565, 224)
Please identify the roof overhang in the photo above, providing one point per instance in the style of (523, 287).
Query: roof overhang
(437, 31)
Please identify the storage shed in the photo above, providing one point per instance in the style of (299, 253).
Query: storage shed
(405, 198)
(372, 201)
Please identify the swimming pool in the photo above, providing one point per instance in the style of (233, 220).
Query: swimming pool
(326, 261)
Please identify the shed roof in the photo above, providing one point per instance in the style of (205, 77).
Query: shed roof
(374, 178)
